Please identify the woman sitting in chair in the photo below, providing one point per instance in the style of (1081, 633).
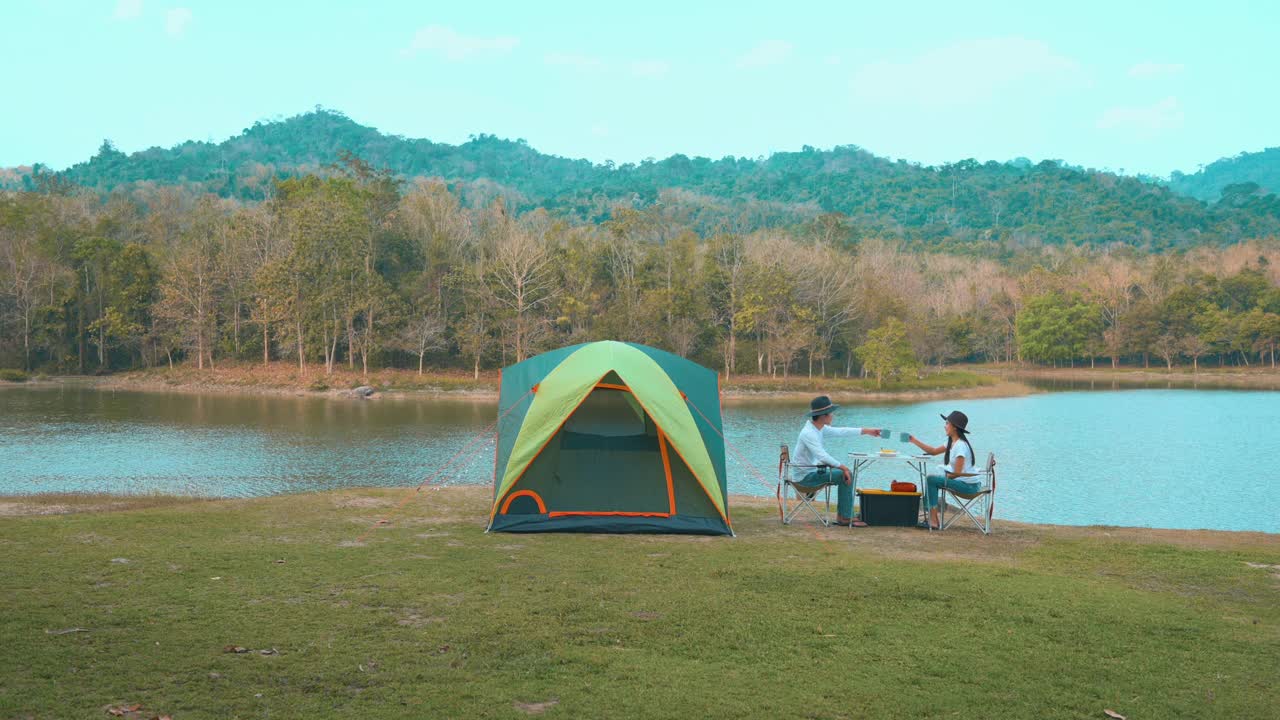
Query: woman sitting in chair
(958, 465)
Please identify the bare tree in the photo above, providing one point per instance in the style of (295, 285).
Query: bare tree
(26, 272)
(522, 282)
(422, 333)
(1112, 284)
(580, 299)
(625, 255)
(682, 336)
(474, 340)
(261, 244)
(434, 219)
(1195, 348)
(824, 278)
(189, 283)
(1166, 346)
(731, 263)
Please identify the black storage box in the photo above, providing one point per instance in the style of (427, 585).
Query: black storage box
(881, 507)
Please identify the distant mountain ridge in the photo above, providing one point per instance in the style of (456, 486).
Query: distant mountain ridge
(1260, 168)
(967, 203)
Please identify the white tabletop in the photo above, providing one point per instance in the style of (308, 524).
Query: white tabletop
(885, 456)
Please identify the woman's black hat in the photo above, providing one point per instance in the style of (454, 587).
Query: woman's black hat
(958, 420)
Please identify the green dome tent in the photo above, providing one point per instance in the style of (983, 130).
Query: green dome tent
(609, 437)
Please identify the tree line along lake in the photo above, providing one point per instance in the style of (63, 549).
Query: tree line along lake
(1183, 459)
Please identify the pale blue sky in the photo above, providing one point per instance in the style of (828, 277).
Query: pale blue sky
(1140, 86)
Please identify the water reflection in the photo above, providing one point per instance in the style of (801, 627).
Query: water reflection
(78, 439)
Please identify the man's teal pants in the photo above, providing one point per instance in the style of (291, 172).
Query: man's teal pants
(821, 477)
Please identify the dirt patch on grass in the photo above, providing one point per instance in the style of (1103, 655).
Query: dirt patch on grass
(431, 506)
(1198, 539)
(69, 503)
(414, 619)
(9, 509)
(360, 502)
(756, 520)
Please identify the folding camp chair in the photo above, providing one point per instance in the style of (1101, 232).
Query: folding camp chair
(794, 498)
(977, 506)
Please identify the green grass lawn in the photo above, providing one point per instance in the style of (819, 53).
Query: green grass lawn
(432, 618)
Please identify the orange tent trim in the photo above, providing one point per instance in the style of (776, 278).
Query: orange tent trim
(666, 468)
(542, 507)
(608, 513)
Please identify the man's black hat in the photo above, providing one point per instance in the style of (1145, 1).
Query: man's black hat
(821, 405)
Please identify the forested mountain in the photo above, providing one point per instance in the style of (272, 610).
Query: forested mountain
(1234, 178)
(987, 208)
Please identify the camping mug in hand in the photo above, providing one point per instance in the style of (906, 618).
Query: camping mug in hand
(904, 437)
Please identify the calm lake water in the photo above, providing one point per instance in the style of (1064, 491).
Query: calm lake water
(1152, 458)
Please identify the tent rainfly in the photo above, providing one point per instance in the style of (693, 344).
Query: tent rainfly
(609, 437)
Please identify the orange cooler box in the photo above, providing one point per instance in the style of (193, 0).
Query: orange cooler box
(881, 507)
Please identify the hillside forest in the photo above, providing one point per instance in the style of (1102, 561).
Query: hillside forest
(351, 263)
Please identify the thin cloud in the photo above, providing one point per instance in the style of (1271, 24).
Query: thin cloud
(447, 43)
(574, 61)
(176, 21)
(767, 53)
(1143, 120)
(650, 68)
(1153, 69)
(127, 9)
(967, 73)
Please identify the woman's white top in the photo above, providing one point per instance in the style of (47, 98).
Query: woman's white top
(961, 448)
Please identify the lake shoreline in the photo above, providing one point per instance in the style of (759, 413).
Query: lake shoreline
(1256, 378)
(46, 504)
(993, 387)
(961, 382)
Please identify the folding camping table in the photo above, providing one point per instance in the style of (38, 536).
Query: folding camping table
(858, 461)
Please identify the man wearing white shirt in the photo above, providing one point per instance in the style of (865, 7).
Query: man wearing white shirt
(813, 467)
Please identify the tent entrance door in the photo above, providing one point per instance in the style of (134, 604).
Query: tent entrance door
(608, 458)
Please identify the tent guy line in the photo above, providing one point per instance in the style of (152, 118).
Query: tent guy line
(777, 488)
(408, 495)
